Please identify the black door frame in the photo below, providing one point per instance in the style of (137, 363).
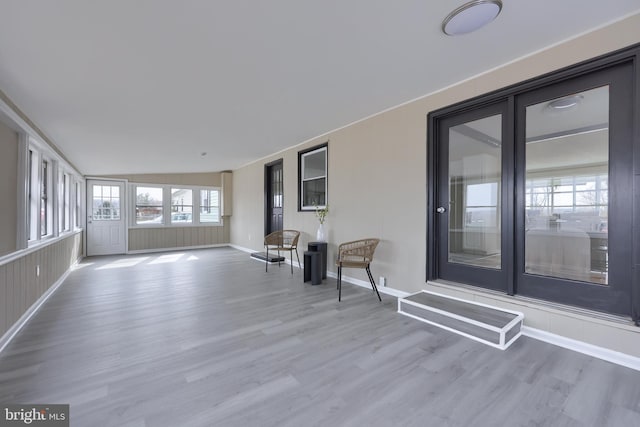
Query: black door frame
(497, 279)
(267, 190)
(627, 55)
(612, 298)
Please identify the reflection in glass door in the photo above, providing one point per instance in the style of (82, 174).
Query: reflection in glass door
(574, 208)
(475, 172)
(471, 202)
(567, 172)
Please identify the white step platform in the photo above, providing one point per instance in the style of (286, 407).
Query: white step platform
(493, 326)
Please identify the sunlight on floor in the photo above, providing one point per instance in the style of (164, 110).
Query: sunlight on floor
(123, 263)
(163, 259)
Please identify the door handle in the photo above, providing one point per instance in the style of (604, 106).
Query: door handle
(441, 209)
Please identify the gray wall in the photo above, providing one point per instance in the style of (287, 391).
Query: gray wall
(8, 188)
(20, 287)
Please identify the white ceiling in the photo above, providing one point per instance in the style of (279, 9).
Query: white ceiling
(145, 86)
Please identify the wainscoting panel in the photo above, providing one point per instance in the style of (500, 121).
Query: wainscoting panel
(141, 239)
(20, 283)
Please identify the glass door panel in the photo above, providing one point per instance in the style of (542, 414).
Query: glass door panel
(475, 174)
(574, 203)
(471, 202)
(567, 174)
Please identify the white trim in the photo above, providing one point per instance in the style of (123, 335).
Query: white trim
(583, 347)
(26, 316)
(500, 331)
(22, 240)
(439, 325)
(242, 248)
(454, 316)
(176, 249)
(366, 284)
(36, 247)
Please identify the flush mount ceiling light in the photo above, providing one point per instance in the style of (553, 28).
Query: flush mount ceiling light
(471, 16)
(566, 102)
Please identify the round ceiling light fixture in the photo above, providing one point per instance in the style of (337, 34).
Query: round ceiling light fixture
(471, 16)
(566, 102)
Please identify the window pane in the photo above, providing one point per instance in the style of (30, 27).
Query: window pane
(106, 207)
(148, 205)
(181, 205)
(313, 192)
(209, 206)
(566, 219)
(314, 164)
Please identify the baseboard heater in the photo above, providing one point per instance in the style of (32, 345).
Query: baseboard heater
(493, 326)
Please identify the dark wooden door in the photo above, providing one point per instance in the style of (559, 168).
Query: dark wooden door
(274, 196)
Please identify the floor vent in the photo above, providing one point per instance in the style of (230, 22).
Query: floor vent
(262, 256)
(490, 325)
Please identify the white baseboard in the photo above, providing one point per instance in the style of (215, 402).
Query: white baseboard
(176, 249)
(352, 280)
(242, 248)
(27, 315)
(365, 284)
(583, 347)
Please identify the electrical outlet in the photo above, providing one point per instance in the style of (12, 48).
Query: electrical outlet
(383, 281)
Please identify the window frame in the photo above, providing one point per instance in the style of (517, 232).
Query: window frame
(167, 206)
(44, 192)
(301, 157)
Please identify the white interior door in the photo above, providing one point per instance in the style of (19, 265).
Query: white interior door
(106, 227)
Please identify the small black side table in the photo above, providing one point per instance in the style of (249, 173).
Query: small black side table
(312, 267)
(322, 248)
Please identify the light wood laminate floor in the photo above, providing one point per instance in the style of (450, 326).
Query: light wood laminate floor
(207, 338)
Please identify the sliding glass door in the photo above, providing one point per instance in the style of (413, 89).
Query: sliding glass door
(575, 191)
(531, 192)
(472, 198)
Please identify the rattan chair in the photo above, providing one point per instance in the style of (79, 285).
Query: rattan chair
(356, 254)
(282, 241)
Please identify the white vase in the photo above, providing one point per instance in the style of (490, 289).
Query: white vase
(320, 234)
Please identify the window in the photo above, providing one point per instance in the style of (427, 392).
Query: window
(78, 207)
(167, 205)
(209, 205)
(181, 205)
(49, 193)
(32, 203)
(312, 178)
(64, 212)
(106, 202)
(46, 201)
(148, 205)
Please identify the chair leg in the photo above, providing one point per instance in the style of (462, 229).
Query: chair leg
(339, 283)
(266, 264)
(297, 256)
(291, 255)
(278, 257)
(373, 283)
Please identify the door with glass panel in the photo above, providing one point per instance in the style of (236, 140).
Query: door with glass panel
(472, 210)
(106, 229)
(574, 191)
